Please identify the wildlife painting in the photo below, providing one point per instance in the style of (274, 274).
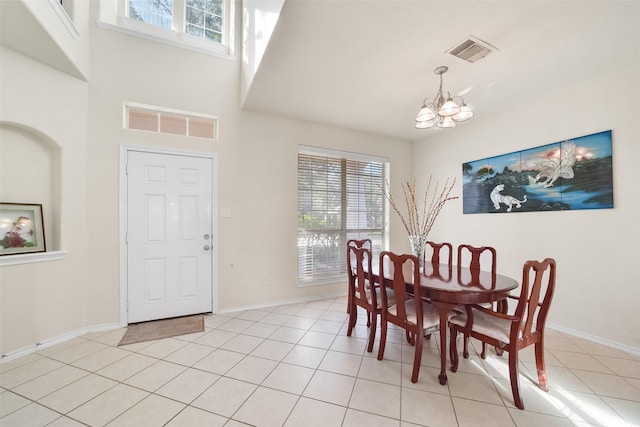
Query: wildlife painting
(572, 174)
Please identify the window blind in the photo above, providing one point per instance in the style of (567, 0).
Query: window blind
(340, 197)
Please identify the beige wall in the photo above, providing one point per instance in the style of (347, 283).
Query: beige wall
(257, 157)
(46, 110)
(597, 280)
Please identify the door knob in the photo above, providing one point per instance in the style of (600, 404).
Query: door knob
(207, 247)
(206, 237)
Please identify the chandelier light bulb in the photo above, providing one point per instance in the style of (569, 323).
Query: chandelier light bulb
(424, 125)
(464, 114)
(425, 114)
(446, 122)
(449, 108)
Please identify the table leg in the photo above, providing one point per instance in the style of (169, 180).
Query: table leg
(502, 306)
(443, 310)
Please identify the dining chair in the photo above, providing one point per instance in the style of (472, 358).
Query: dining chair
(513, 332)
(356, 243)
(477, 259)
(409, 311)
(363, 243)
(436, 250)
(441, 254)
(362, 293)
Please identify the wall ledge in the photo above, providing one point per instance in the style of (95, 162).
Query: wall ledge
(30, 258)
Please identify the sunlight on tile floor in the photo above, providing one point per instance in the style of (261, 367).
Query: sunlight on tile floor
(293, 365)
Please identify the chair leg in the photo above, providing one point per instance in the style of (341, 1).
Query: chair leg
(467, 331)
(499, 351)
(410, 338)
(417, 357)
(383, 337)
(372, 331)
(368, 319)
(514, 375)
(353, 317)
(465, 345)
(501, 307)
(540, 366)
(453, 348)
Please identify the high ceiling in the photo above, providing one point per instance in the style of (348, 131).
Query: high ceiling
(367, 65)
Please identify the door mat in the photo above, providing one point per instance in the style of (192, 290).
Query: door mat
(165, 328)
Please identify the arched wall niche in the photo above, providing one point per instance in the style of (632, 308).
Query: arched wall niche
(30, 172)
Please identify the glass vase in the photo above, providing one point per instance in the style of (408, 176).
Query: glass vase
(418, 242)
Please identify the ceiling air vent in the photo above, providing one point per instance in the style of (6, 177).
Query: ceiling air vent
(471, 49)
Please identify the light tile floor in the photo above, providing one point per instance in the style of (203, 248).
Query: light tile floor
(294, 366)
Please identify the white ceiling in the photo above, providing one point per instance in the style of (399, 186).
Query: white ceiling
(368, 65)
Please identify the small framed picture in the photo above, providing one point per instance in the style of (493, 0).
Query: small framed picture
(21, 228)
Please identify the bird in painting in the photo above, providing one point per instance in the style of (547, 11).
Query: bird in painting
(558, 164)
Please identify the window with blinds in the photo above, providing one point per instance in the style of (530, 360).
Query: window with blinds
(340, 197)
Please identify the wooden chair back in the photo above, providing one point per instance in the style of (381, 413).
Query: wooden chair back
(361, 291)
(355, 243)
(436, 251)
(476, 259)
(536, 293)
(392, 268)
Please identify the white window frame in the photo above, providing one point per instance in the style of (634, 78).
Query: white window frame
(345, 231)
(176, 35)
(65, 11)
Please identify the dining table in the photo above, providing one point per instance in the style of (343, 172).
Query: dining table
(449, 286)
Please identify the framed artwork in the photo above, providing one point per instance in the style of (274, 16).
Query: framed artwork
(21, 229)
(568, 175)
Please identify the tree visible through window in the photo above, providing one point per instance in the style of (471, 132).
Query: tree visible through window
(155, 12)
(340, 197)
(202, 18)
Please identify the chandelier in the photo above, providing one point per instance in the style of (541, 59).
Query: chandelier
(440, 111)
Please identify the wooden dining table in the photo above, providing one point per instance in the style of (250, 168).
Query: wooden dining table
(448, 286)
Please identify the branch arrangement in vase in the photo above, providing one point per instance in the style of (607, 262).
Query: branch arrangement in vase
(415, 222)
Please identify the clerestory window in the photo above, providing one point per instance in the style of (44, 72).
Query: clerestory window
(204, 25)
(340, 197)
(201, 18)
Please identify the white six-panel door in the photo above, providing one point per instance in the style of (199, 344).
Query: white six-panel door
(169, 235)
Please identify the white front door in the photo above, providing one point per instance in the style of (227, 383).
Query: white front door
(169, 235)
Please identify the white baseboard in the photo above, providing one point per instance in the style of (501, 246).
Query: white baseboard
(599, 340)
(284, 302)
(98, 328)
(56, 340)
